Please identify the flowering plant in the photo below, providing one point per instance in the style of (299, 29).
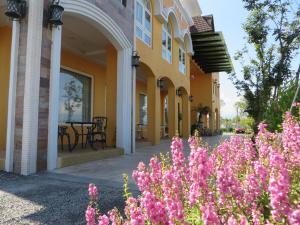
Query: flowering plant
(239, 182)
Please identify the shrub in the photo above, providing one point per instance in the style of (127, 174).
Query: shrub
(239, 182)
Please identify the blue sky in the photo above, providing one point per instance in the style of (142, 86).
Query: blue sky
(229, 15)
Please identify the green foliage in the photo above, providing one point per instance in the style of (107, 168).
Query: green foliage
(275, 112)
(273, 32)
(126, 193)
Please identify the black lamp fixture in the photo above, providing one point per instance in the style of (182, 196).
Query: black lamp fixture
(135, 59)
(16, 9)
(160, 83)
(178, 92)
(218, 85)
(55, 13)
(191, 98)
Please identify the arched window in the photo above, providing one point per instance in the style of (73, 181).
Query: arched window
(182, 63)
(143, 18)
(167, 42)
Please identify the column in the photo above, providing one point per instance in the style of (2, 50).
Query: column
(154, 102)
(12, 97)
(54, 98)
(186, 120)
(124, 101)
(172, 111)
(31, 87)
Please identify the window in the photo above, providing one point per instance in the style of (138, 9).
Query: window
(167, 42)
(143, 109)
(181, 60)
(143, 21)
(75, 101)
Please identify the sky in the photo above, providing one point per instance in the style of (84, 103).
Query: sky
(229, 15)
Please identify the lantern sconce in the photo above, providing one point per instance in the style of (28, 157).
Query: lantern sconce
(55, 13)
(218, 85)
(135, 59)
(178, 92)
(160, 83)
(16, 9)
(191, 98)
(192, 77)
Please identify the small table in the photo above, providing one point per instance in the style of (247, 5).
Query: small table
(77, 134)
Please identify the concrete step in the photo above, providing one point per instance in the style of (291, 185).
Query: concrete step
(80, 157)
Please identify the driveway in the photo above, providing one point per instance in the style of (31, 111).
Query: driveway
(60, 197)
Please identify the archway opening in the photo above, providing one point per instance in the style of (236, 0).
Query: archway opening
(183, 112)
(168, 109)
(87, 105)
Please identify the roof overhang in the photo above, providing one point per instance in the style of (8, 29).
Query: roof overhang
(211, 53)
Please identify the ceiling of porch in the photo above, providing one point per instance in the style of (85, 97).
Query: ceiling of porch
(82, 38)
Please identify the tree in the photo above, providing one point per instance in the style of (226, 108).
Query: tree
(273, 33)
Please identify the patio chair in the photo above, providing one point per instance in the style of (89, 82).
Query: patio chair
(62, 132)
(97, 132)
(140, 131)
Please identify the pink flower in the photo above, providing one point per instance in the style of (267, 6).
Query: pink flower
(103, 220)
(93, 192)
(90, 216)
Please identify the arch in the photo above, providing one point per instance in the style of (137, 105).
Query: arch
(124, 100)
(183, 89)
(96, 16)
(175, 23)
(188, 43)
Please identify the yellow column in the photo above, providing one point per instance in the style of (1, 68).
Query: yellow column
(186, 120)
(154, 102)
(111, 93)
(172, 112)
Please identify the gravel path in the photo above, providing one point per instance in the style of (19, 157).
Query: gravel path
(60, 198)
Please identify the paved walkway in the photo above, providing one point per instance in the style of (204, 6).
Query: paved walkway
(60, 198)
(113, 169)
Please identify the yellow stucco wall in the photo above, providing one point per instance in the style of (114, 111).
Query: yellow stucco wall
(157, 67)
(104, 82)
(5, 45)
(97, 72)
(202, 90)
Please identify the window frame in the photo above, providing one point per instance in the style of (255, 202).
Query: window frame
(72, 70)
(182, 64)
(165, 48)
(142, 26)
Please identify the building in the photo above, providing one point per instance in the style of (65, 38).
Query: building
(53, 73)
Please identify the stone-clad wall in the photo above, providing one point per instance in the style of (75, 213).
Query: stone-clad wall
(20, 96)
(123, 16)
(42, 146)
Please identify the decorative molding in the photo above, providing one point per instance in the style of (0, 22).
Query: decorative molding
(109, 27)
(31, 89)
(10, 142)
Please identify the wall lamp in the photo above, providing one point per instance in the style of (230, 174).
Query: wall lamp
(16, 9)
(136, 59)
(179, 92)
(55, 13)
(160, 83)
(191, 98)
